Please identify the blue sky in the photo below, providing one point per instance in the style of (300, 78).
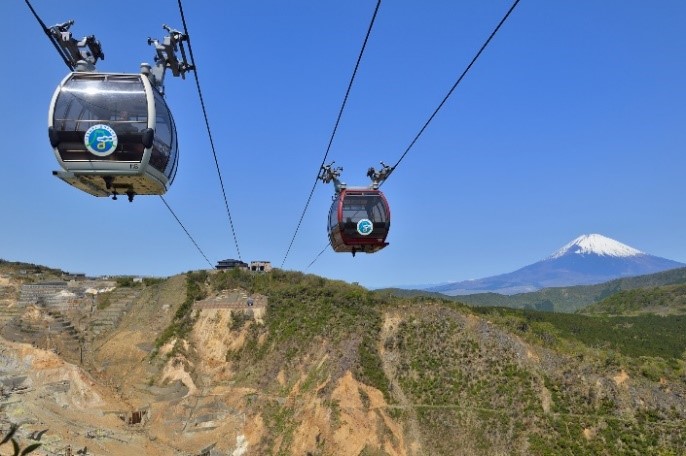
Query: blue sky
(571, 122)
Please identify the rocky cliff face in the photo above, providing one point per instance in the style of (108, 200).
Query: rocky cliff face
(317, 367)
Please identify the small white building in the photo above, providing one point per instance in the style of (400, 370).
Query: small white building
(261, 266)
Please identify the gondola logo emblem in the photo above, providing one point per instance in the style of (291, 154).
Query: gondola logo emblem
(365, 227)
(101, 140)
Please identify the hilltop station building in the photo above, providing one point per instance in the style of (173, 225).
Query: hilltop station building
(256, 266)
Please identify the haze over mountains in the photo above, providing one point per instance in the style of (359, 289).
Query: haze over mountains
(588, 259)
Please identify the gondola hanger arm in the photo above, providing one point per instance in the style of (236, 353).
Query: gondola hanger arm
(81, 55)
(329, 174)
(166, 58)
(378, 177)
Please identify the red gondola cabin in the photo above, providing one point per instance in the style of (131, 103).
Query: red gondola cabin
(359, 221)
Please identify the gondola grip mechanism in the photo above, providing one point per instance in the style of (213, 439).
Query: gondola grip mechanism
(378, 177)
(330, 174)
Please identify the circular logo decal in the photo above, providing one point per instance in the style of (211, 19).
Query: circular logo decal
(365, 227)
(100, 140)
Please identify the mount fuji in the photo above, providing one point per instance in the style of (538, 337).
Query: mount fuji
(587, 260)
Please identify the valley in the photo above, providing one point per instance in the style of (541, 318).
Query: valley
(184, 366)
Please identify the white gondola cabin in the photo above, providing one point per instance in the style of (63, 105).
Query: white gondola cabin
(113, 134)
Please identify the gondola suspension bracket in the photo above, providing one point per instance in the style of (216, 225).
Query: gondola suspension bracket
(166, 58)
(80, 55)
(329, 173)
(378, 177)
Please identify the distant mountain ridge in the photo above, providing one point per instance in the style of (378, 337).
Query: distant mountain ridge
(559, 299)
(588, 259)
(574, 298)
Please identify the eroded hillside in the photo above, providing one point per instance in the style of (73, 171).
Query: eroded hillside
(237, 363)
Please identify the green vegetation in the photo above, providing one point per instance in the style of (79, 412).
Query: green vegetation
(103, 300)
(487, 380)
(150, 281)
(238, 320)
(281, 420)
(468, 380)
(666, 300)
(562, 299)
(571, 299)
(126, 282)
(306, 311)
(131, 282)
(29, 272)
(455, 379)
(182, 323)
(593, 435)
(645, 335)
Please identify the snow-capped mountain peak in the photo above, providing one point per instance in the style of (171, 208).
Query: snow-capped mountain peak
(587, 260)
(596, 244)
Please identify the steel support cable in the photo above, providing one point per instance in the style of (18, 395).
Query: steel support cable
(335, 129)
(318, 255)
(209, 131)
(452, 89)
(46, 30)
(186, 231)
